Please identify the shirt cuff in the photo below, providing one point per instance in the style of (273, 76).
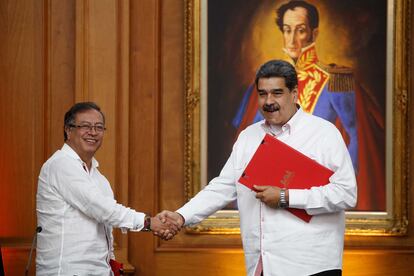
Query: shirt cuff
(138, 222)
(185, 215)
(298, 198)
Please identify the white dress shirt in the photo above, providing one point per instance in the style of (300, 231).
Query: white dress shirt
(76, 210)
(274, 238)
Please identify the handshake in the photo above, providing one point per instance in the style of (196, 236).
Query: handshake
(166, 224)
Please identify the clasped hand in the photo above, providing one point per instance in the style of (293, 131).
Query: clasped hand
(167, 224)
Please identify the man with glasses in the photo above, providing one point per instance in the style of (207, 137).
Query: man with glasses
(75, 203)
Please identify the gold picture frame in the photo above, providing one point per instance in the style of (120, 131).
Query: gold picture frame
(392, 222)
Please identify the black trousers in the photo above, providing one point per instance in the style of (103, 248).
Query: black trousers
(333, 272)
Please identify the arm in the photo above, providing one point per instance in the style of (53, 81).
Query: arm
(220, 191)
(78, 190)
(341, 192)
(216, 195)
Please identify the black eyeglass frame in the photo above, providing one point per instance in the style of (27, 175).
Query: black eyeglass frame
(98, 128)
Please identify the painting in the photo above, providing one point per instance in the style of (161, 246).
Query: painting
(363, 57)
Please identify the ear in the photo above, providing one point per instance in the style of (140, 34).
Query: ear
(295, 94)
(67, 131)
(315, 33)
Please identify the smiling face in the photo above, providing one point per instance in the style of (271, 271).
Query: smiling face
(83, 141)
(297, 33)
(276, 102)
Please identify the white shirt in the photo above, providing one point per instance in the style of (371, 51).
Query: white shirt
(76, 210)
(286, 244)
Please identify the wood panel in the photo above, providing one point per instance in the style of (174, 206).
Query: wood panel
(59, 48)
(122, 126)
(36, 82)
(21, 115)
(96, 68)
(143, 125)
(15, 261)
(222, 262)
(172, 105)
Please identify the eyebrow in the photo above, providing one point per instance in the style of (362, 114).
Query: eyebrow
(91, 122)
(300, 25)
(271, 90)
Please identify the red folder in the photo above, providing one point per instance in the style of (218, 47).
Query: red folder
(277, 164)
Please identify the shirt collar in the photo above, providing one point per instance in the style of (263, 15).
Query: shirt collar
(294, 121)
(69, 151)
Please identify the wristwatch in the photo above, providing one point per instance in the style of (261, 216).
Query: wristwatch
(282, 199)
(147, 224)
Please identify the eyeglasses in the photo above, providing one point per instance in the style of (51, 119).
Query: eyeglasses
(98, 128)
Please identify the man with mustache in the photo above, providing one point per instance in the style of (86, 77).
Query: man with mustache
(75, 204)
(276, 242)
(329, 92)
(326, 91)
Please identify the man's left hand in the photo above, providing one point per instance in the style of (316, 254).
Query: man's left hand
(269, 195)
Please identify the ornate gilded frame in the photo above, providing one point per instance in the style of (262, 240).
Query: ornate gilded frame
(394, 221)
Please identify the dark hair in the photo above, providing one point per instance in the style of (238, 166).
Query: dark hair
(313, 15)
(75, 109)
(278, 68)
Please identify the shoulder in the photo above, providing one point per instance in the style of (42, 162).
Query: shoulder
(341, 78)
(333, 68)
(57, 166)
(59, 162)
(323, 133)
(250, 134)
(252, 129)
(319, 124)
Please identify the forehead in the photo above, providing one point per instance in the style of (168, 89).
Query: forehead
(271, 83)
(90, 115)
(297, 16)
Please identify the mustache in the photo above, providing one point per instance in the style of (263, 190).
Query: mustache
(271, 107)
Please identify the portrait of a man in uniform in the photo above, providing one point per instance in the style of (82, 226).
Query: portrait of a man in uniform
(343, 92)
